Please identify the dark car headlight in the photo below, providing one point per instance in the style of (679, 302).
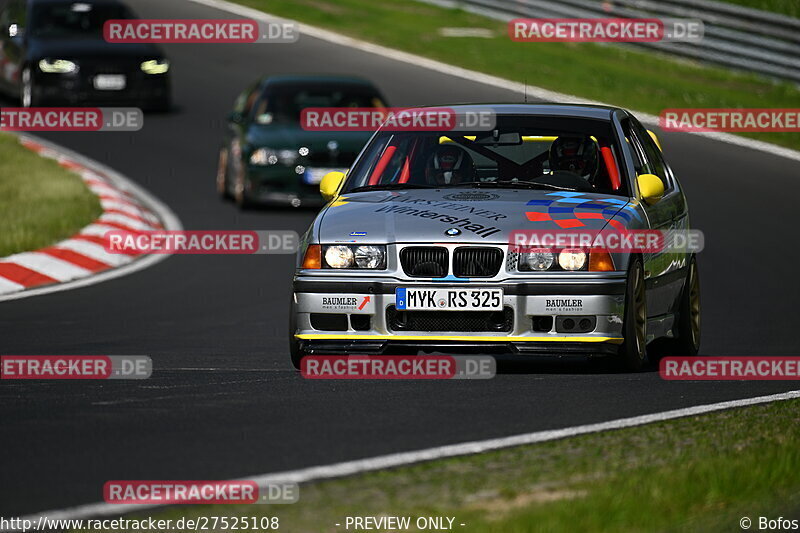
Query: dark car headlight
(365, 256)
(58, 66)
(155, 66)
(539, 260)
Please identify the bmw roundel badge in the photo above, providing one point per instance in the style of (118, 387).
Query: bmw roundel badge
(453, 232)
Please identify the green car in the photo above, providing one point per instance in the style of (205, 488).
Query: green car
(268, 158)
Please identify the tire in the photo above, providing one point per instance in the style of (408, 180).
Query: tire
(686, 342)
(632, 353)
(239, 196)
(222, 175)
(27, 96)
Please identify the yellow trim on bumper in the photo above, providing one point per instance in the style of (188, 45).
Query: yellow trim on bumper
(323, 336)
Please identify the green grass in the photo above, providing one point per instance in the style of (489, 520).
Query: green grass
(40, 202)
(617, 75)
(785, 7)
(695, 474)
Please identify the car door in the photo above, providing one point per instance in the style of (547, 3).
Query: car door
(663, 273)
(237, 124)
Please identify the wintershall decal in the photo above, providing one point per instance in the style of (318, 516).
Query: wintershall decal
(463, 223)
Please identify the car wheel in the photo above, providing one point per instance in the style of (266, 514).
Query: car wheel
(28, 97)
(686, 342)
(632, 353)
(222, 174)
(239, 195)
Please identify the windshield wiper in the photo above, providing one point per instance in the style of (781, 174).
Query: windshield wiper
(514, 185)
(390, 186)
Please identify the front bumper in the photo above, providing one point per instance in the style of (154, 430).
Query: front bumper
(141, 90)
(280, 185)
(531, 326)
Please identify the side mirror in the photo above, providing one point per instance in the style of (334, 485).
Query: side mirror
(650, 187)
(330, 184)
(235, 117)
(655, 139)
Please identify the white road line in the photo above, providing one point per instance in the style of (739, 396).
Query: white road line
(359, 466)
(538, 93)
(97, 230)
(50, 266)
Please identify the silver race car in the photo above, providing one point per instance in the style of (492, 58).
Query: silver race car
(415, 250)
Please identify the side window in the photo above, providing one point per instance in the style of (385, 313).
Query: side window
(640, 161)
(654, 156)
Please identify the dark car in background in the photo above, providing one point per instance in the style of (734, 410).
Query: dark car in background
(52, 52)
(268, 158)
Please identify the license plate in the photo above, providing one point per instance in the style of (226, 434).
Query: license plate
(407, 299)
(313, 176)
(109, 82)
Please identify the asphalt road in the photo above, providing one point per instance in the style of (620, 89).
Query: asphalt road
(224, 402)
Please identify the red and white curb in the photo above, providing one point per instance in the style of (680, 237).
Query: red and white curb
(82, 259)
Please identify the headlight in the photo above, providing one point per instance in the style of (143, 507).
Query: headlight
(287, 157)
(572, 259)
(155, 66)
(339, 256)
(537, 259)
(369, 257)
(58, 66)
(263, 156)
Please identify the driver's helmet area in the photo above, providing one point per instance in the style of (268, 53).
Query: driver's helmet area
(449, 164)
(576, 154)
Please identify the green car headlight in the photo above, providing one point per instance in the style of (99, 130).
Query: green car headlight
(263, 157)
(155, 66)
(58, 66)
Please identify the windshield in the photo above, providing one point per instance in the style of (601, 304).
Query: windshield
(557, 153)
(286, 102)
(79, 19)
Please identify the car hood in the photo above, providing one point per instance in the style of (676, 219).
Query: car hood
(89, 48)
(292, 137)
(479, 215)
